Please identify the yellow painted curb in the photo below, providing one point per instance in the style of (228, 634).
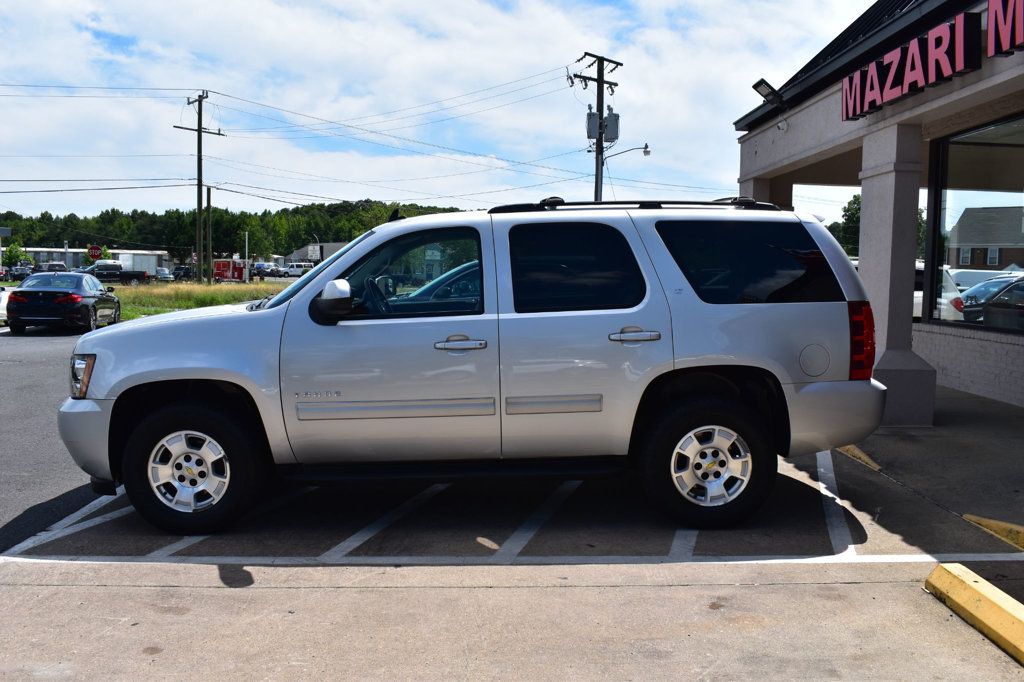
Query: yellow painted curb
(1010, 532)
(856, 453)
(985, 607)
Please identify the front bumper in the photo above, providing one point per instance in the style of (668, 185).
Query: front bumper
(84, 427)
(830, 414)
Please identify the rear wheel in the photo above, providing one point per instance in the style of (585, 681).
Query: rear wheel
(133, 282)
(189, 469)
(16, 328)
(708, 464)
(91, 323)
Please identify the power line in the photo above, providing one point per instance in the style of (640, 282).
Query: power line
(35, 96)
(93, 87)
(87, 156)
(87, 189)
(424, 113)
(313, 177)
(94, 179)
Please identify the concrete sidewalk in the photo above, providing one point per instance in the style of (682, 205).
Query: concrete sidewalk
(970, 462)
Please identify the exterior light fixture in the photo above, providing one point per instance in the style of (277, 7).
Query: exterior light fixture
(770, 94)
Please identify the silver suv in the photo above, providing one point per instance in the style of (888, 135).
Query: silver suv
(690, 342)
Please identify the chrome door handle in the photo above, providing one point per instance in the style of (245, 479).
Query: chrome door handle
(633, 336)
(465, 344)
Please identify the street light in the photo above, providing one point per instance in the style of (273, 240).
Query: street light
(599, 181)
(646, 149)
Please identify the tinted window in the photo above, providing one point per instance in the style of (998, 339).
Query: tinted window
(573, 266)
(431, 272)
(750, 261)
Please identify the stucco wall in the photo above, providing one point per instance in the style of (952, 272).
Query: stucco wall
(982, 362)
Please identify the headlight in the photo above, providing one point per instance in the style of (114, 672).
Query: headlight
(81, 371)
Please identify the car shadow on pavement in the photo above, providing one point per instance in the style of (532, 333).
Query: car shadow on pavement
(498, 521)
(42, 515)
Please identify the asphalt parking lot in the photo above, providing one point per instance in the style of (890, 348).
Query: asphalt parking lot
(812, 516)
(536, 577)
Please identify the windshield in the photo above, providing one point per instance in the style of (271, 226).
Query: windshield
(295, 287)
(46, 281)
(981, 293)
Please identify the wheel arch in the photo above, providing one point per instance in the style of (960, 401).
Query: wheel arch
(757, 388)
(133, 404)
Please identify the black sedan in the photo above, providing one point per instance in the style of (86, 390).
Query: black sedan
(61, 299)
(980, 295)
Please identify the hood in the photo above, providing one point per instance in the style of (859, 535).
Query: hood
(165, 319)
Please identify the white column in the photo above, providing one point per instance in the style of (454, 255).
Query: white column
(892, 168)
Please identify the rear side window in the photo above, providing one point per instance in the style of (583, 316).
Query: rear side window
(750, 261)
(573, 266)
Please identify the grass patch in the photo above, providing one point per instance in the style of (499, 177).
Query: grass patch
(154, 299)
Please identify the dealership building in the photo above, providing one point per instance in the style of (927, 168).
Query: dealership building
(917, 95)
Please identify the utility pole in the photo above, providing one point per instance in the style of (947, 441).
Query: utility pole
(199, 130)
(209, 236)
(601, 85)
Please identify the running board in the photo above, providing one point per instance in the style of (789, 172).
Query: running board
(446, 470)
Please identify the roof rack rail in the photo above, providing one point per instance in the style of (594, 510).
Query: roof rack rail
(554, 203)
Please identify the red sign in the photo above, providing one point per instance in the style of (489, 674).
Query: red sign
(948, 50)
(95, 252)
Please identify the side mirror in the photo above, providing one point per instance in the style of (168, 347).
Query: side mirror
(110, 289)
(336, 300)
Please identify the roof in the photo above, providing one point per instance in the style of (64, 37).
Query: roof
(990, 226)
(883, 26)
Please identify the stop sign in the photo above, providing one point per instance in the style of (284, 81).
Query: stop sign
(95, 252)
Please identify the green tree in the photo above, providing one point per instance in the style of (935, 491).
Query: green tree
(13, 254)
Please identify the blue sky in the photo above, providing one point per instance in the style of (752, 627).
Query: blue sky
(460, 103)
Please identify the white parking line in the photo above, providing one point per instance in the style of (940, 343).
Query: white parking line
(74, 517)
(835, 518)
(682, 545)
(336, 553)
(168, 550)
(50, 535)
(522, 536)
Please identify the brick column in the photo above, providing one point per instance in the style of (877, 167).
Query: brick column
(892, 167)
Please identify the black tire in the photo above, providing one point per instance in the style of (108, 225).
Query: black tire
(17, 329)
(133, 282)
(116, 317)
(656, 463)
(92, 323)
(248, 469)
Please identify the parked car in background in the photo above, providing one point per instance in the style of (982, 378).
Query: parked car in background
(182, 273)
(276, 271)
(980, 295)
(1006, 309)
(298, 269)
(164, 275)
(965, 279)
(259, 270)
(53, 266)
(20, 272)
(61, 299)
(4, 293)
(949, 305)
(114, 271)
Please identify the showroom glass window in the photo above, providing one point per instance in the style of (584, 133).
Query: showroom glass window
(980, 249)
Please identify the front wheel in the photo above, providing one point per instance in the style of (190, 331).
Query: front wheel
(116, 317)
(708, 464)
(189, 469)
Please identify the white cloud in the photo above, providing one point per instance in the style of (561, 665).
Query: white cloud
(687, 75)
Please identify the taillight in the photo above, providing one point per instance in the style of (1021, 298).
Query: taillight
(16, 298)
(958, 304)
(862, 340)
(68, 298)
